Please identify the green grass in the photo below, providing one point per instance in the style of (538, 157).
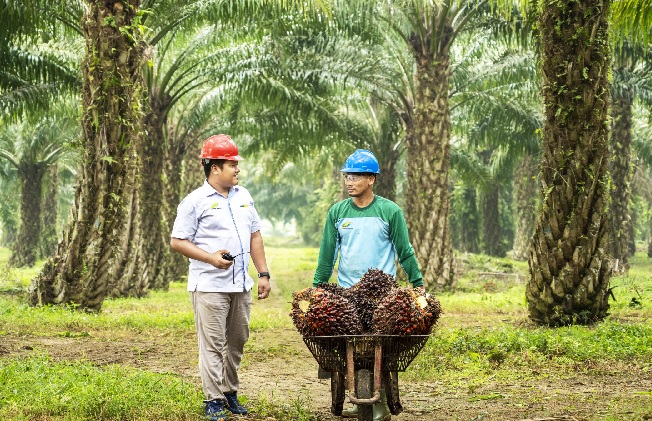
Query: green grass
(483, 336)
(38, 387)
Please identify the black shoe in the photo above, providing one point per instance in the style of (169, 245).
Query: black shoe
(215, 410)
(233, 405)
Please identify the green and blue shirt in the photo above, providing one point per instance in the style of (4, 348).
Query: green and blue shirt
(373, 237)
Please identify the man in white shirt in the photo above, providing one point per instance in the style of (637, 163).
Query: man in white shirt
(218, 229)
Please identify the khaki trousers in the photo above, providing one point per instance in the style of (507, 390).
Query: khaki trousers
(222, 323)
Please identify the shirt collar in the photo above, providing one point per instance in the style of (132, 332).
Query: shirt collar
(208, 190)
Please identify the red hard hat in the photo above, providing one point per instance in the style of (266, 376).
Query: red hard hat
(220, 146)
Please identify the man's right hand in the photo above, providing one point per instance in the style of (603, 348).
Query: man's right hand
(220, 262)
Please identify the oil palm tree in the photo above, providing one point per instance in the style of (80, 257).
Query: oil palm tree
(104, 238)
(569, 264)
(31, 148)
(632, 79)
(428, 30)
(95, 252)
(495, 112)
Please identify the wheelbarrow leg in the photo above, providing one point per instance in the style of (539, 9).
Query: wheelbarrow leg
(337, 393)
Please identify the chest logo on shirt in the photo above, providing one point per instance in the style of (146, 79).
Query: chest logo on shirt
(347, 225)
(216, 205)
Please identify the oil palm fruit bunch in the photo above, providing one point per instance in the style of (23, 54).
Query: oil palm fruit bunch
(319, 312)
(300, 304)
(406, 311)
(365, 296)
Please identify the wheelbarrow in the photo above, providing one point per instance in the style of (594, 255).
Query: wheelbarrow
(368, 361)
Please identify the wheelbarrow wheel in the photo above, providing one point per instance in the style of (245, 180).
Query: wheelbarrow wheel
(337, 393)
(365, 390)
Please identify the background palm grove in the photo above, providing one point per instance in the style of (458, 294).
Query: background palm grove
(516, 130)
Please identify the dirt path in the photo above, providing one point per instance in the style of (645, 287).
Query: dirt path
(279, 367)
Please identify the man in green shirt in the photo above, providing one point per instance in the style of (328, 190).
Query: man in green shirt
(365, 231)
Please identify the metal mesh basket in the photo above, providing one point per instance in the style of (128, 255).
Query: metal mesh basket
(397, 351)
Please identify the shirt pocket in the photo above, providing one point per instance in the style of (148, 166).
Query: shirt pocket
(216, 223)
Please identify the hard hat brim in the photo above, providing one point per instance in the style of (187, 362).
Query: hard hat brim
(228, 158)
(359, 170)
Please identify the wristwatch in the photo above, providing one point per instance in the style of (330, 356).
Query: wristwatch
(261, 274)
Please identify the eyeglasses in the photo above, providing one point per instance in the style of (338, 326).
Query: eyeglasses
(353, 177)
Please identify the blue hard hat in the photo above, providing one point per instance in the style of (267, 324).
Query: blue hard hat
(361, 160)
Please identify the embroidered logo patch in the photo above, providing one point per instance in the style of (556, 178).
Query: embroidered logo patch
(216, 205)
(346, 224)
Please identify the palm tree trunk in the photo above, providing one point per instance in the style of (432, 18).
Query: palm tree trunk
(527, 205)
(621, 179)
(127, 276)
(465, 229)
(428, 153)
(9, 219)
(569, 265)
(388, 154)
(492, 243)
(385, 185)
(175, 264)
(153, 191)
(26, 247)
(100, 245)
(49, 214)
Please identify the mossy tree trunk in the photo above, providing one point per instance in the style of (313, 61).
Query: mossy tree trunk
(26, 247)
(101, 246)
(526, 206)
(569, 263)
(621, 180)
(428, 148)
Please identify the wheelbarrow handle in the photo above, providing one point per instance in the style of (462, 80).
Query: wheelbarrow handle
(350, 369)
(372, 400)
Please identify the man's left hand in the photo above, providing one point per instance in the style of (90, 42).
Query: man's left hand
(263, 288)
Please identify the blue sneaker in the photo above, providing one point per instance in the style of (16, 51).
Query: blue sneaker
(215, 410)
(233, 405)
